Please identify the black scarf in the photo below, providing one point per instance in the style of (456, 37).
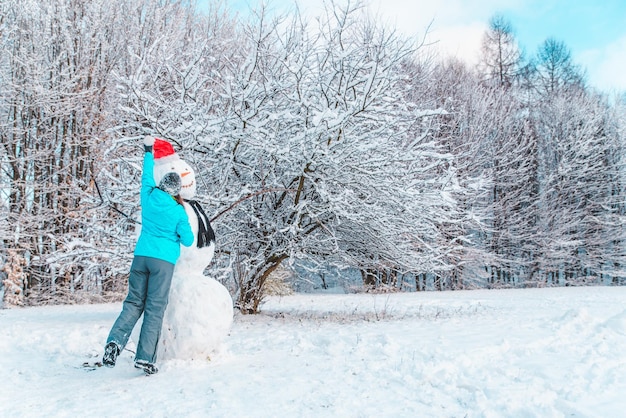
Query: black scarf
(205, 232)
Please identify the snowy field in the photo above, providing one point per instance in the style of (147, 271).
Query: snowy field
(488, 353)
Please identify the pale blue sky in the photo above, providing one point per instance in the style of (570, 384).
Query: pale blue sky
(594, 30)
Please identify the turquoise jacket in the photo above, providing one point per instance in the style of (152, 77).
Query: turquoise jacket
(164, 223)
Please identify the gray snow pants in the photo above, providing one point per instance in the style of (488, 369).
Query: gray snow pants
(148, 290)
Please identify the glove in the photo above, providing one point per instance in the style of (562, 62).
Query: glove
(148, 142)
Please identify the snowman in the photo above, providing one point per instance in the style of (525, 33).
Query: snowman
(199, 313)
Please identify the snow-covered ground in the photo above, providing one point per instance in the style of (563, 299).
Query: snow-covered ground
(486, 353)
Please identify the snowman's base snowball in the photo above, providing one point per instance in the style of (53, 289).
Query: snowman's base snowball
(198, 317)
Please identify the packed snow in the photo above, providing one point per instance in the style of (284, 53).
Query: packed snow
(557, 352)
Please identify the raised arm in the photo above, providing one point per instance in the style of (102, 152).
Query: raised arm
(147, 177)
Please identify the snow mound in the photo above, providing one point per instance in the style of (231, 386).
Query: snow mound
(195, 325)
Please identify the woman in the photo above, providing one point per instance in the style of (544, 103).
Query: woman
(164, 227)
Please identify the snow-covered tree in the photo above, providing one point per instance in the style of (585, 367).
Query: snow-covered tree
(580, 172)
(493, 150)
(501, 57)
(309, 152)
(553, 69)
(54, 100)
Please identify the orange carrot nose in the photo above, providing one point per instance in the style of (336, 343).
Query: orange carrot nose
(185, 173)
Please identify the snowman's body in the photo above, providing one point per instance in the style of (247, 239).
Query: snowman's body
(199, 313)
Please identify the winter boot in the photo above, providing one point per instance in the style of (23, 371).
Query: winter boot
(148, 368)
(111, 351)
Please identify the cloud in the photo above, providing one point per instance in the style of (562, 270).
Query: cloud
(459, 41)
(455, 26)
(610, 71)
(606, 66)
(452, 27)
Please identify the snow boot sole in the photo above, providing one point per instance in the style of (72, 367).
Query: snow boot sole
(111, 351)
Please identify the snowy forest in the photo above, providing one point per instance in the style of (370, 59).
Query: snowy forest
(323, 144)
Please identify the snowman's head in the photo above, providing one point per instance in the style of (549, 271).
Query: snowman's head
(166, 161)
